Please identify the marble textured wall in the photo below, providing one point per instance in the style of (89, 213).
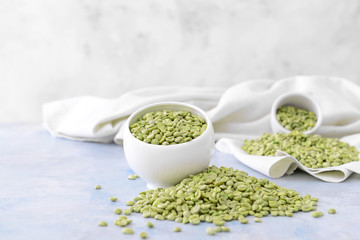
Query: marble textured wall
(54, 49)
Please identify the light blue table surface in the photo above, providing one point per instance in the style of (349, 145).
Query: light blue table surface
(47, 192)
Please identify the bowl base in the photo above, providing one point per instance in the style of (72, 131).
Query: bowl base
(155, 186)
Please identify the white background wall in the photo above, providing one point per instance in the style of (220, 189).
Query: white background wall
(54, 49)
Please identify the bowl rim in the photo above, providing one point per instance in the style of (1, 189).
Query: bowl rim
(144, 108)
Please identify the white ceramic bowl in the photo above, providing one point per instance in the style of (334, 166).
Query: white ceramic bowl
(165, 165)
(299, 100)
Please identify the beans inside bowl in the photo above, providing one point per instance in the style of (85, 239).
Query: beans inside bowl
(168, 127)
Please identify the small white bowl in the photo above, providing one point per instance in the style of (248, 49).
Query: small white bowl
(298, 100)
(165, 165)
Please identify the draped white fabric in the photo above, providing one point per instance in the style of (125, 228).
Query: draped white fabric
(239, 112)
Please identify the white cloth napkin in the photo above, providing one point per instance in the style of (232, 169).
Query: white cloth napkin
(237, 113)
(283, 163)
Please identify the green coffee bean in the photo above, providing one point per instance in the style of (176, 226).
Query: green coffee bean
(317, 214)
(113, 199)
(208, 218)
(243, 220)
(227, 217)
(185, 220)
(179, 220)
(150, 224)
(177, 229)
(133, 176)
(127, 230)
(146, 214)
(195, 221)
(97, 187)
(127, 211)
(312, 151)
(102, 224)
(258, 220)
(130, 203)
(306, 208)
(136, 199)
(171, 217)
(168, 127)
(159, 217)
(332, 211)
(210, 231)
(117, 211)
(296, 119)
(225, 229)
(274, 213)
(143, 235)
(122, 222)
(288, 213)
(219, 222)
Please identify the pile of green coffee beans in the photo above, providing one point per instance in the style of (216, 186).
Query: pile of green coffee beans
(296, 119)
(220, 194)
(168, 127)
(313, 151)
